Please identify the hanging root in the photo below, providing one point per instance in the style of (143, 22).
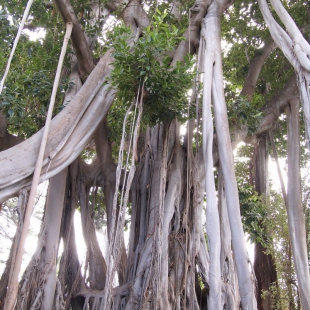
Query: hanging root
(117, 225)
(37, 302)
(59, 300)
(33, 278)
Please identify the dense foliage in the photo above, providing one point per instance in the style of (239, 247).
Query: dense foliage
(144, 70)
(163, 259)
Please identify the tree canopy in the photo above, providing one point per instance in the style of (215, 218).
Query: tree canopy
(152, 104)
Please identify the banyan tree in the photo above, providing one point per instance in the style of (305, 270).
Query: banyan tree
(134, 111)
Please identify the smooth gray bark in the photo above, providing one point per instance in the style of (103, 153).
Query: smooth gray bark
(54, 209)
(228, 270)
(295, 212)
(296, 50)
(79, 119)
(211, 25)
(212, 214)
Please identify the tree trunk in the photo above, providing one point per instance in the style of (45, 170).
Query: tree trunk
(213, 78)
(69, 267)
(264, 266)
(228, 269)
(295, 212)
(97, 266)
(42, 268)
(265, 273)
(6, 276)
(54, 210)
(212, 214)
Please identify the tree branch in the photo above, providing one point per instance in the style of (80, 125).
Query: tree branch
(272, 110)
(79, 42)
(192, 35)
(255, 68)
(131, 11)
(275, 107)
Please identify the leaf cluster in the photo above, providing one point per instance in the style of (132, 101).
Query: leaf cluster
(252, 205)
(242, 112)
(146, 65)
(96, 200)
(28, 86)
(253, 212)
(6, 36)
(25, 101)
